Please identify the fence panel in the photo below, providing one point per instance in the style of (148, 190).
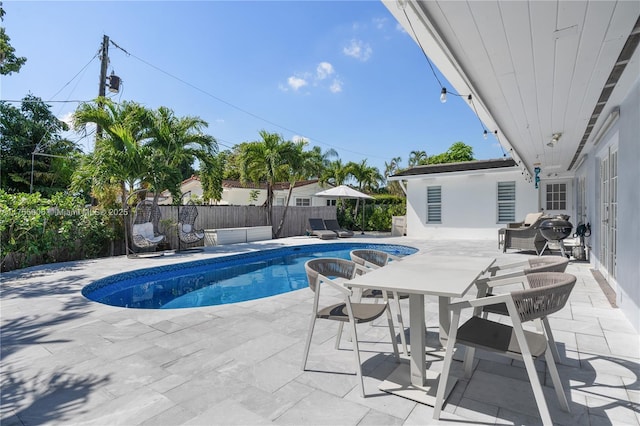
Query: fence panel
(215, 217)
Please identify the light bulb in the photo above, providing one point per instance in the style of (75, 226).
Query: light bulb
(484, 135)
(443, 95)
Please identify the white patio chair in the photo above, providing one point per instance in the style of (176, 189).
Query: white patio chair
(322, 272)
(374, 259)
(511, 341)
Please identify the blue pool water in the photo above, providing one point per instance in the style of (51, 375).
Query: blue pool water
(221, 280)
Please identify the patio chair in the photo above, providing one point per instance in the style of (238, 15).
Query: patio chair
(333, 225)
(511, 341)
(523, 235)
(318, 273)
(318, 229)
(376, 259)
(144, 229)
(522, 277)
(186, 224)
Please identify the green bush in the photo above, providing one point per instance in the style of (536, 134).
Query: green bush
(37, 230)
(378, 213)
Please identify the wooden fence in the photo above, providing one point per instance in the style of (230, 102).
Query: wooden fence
(216, 217)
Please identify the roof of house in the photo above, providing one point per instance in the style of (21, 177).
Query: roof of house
(462, 166)
(228, 183)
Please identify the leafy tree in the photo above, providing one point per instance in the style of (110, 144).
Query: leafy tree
(9, 62)
(229, 160)
(31, 137)
(457, 152)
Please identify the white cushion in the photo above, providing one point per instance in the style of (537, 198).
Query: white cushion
(531, 218)
(145, 230)
(186, 228)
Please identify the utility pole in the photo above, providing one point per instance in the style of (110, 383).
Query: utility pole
(104, 63)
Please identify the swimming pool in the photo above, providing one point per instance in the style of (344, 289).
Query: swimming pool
(221, 280)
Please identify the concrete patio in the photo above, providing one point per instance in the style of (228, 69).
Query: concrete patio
(67, 360)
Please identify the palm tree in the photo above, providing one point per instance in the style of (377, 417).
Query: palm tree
(119, 157)
(417, 158)
(302, 165)
(368, 178)
(176, 143)
(335, 173)
(266, 161)
(392, 168)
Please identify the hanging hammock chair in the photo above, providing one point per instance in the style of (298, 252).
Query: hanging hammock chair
(186, 224)
(144, 228)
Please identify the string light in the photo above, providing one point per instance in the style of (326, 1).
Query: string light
(444, 92)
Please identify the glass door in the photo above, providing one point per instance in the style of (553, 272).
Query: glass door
(609, 211)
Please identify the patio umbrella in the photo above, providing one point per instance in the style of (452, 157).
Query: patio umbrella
(344, 191)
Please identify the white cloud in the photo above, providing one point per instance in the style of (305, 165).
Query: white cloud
(336, 86)
(400, 28)
(358, 49)
(379, 22)
(296, 82)
(67, 118)
(298, 138)
(324, 70)
(324, 74)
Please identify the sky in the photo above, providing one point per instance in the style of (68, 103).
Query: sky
(344, 75)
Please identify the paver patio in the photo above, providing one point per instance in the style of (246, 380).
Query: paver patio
(67, 360)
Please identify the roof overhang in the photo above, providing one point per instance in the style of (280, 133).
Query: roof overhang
(534, 69)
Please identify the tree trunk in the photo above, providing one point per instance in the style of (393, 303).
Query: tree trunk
(284, 212)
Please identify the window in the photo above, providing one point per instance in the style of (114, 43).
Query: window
(434, 204)
(331, 202)
(556, 196)
(506, 202)
(303, 202)
(279, 201)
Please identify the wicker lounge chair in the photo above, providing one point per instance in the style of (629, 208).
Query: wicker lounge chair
(144, 229)
(376, 259)
(186, 224)
(511, 341)
(318, 229)
(318, 273)
(523, 235)
(333, 225)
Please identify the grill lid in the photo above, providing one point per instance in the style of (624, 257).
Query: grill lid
(555, 229)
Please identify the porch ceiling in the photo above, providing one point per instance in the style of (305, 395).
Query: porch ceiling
(534, 68)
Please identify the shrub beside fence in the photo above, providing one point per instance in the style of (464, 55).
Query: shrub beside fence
(36, 230)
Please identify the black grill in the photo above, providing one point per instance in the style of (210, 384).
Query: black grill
(555, 229)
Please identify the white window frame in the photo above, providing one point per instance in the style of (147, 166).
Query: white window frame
(303, 202)
(505, 201)
(559, 196)
(434, 204)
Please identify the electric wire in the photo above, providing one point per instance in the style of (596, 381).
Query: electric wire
(78, 73)
(193, 86)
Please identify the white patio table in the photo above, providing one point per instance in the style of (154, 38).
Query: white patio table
(419, 275)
